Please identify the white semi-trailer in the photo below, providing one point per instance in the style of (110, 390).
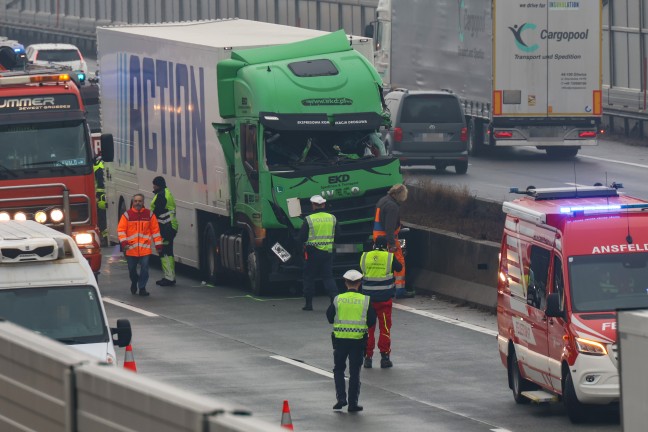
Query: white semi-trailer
(528, 72)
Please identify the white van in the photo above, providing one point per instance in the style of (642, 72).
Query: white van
(46, 285)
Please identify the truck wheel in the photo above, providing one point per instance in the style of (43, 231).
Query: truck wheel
(257, 273)
(516, 382)
(210, 255)
(562, 152)
(576, 410)
(475, 138)
(461, 167)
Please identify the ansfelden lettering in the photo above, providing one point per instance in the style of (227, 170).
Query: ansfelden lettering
(166, 109)
(620, 248)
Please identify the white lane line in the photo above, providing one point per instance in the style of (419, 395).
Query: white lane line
(613, 161)
(411, 398)
(129, 307)
(445, 319)
(303, 366)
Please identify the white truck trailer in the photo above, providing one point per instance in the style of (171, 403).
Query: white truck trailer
(48, 286)
(528, 72)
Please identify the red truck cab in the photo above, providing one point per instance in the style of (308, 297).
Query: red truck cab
(46, 157)
(569, 259)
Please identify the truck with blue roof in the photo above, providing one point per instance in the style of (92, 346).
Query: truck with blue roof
(245, 126)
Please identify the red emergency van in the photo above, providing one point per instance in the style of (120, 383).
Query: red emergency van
(570, 257)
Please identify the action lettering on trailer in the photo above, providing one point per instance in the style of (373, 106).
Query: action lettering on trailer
(175, 92)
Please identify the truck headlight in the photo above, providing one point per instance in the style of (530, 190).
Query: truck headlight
(40, 216)
(56, 215)
(4, 216)
(586, 346)
(20, 216)
(83, 238)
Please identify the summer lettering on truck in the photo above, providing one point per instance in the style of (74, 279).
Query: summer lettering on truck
(527, 72)
(245, 128)
(46, 156)
(570, 258)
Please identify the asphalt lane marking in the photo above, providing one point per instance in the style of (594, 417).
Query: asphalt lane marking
(129, 307)
(264, 299)
(613, 161)
(445, 319)
(303, 366)
(411, 398)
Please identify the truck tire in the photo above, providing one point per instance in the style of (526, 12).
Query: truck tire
(516, 382)
(257, 273)
(461, 167)
(576, 411)
(210, 255)
(476, 138)
(562, 152)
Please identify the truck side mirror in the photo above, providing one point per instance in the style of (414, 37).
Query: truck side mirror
(369, 30)
(553, 306)
(107, 147)
(123, 333)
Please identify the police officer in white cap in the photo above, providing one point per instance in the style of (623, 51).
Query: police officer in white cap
(351, 316)
(318, 235)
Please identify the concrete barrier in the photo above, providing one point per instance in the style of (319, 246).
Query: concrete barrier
(46, 386)
(452, 265)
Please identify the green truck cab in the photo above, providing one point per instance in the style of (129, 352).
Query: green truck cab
(302, 120)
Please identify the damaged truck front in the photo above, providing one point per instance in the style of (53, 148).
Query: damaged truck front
(302, 120)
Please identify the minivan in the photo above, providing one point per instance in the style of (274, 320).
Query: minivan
(428, 128)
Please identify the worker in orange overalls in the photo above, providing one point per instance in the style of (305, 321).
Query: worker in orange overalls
(387, 223)
(136, 229)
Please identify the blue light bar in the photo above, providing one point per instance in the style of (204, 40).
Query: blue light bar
(607, 207)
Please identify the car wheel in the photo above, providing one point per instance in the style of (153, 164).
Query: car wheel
(576, 410)
(517, 383)
(461, 167)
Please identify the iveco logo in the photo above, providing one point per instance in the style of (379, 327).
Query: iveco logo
(432, 127)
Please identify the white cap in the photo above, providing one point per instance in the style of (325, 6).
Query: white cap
(352, 275)
(317, 199)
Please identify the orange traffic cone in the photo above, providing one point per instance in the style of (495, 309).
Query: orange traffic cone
(129, 360)
(286, 421)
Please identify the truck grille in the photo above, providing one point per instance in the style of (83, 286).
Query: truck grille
(354, 215)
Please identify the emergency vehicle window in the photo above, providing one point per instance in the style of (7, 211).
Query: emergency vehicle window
(538, 276)
(558, 283)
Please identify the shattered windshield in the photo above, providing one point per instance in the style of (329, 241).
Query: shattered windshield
(315, 148)
(44, 145)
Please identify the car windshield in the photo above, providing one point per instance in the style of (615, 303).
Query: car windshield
(300, 149)
(72, 315)
(433, 108)
(42, 145)
(608, 282)
(58, 55)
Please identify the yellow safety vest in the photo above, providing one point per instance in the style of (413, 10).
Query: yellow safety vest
(376, 267)
(350, 315)
(321, 231)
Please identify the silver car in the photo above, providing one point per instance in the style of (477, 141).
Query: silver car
(428, 128)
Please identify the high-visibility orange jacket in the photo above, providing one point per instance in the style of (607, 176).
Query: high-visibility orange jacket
(137, 229)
